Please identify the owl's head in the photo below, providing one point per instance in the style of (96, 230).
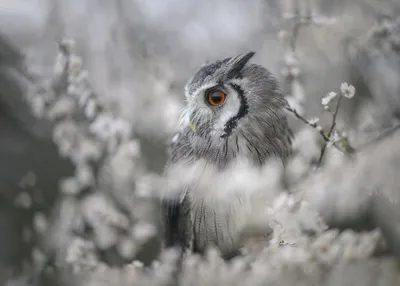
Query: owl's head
(227, 95)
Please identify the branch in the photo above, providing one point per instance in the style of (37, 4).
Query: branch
(347, 150)
(333, 125)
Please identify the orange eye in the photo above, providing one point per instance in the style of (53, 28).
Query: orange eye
(215, 97)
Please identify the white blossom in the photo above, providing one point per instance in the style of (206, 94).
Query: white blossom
(121, 128)
(334, 138)
(40, 222)
(60, 63)
(347, 90)
(29, 180)
(84, 175)
(70, 186)
(23, 200)
(84, 97)
(143, 231)
(137, 264)
(88, 150)
(38, 256)
(38, 105)
(63, 107)
(90, 108)
(81, 254)
(328, 97)
(75, 65)
(313, 120)
(102, 126)
(126, 247)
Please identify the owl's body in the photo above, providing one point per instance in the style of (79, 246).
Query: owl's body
(235, 111)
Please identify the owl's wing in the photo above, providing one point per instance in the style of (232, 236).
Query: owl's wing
(177, 222)
(176, 210)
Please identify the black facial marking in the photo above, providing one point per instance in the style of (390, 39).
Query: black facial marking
(243, 110)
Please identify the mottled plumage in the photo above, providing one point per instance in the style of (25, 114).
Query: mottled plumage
(250, 124)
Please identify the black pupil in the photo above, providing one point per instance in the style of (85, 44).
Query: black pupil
(216, 97)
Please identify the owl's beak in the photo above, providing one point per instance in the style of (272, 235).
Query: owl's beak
(192, 125)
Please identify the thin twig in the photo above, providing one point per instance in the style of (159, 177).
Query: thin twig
(313, 125)
(333, 125)
(335, 116)
(320, 130)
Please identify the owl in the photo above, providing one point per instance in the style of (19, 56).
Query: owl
(235, 111)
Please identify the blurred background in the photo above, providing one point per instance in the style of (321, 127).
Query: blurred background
(91, 91)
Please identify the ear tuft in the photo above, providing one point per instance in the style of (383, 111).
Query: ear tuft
(237, 63)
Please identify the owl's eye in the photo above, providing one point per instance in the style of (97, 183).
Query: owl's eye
(215, 97)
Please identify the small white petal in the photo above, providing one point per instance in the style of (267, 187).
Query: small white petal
(313, 120)
(347, 90)
(90, 108)
(70, 186)
(143, 231)
(327, 98)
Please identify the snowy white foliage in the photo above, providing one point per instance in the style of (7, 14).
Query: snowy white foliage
(114, 93)
(283, 235)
